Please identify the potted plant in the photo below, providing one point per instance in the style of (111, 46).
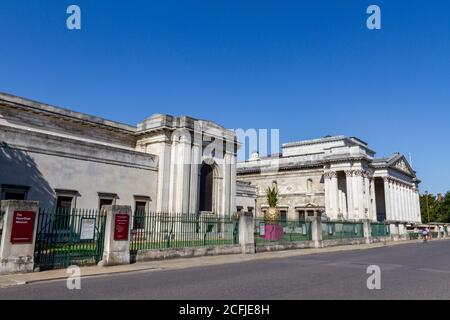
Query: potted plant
(272, 215)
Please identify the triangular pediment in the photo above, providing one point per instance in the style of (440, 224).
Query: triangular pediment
(401, 164)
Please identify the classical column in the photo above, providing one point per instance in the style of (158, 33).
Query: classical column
(326, 178)
(373, 198)
(394, 201)
(334, 194)
(367, 210)
(387, 198)
(350, 195)
(359, 194)
(402, 203)
(413, 201)
(233, 184)
(417, 200)
(410, 208)
(405, 203)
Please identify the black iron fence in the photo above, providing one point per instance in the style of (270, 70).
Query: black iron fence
(69, 237)
(167, 231)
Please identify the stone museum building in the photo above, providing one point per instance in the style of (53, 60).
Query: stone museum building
(67, 159)
(337, 177)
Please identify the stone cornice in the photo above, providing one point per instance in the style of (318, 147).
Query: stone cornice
(63, 114)
(139, 159)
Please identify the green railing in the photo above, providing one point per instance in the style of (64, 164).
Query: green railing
(172, 231)
(283, 232)
(434, 234)
(379, 229)
(414, 235)
(69, 237)
(335, 230)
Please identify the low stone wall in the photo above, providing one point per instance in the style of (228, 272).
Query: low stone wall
(342, 242)
(155, 254)
(264, 247)
(381, 239)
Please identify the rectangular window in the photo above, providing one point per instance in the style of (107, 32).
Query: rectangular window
(301, 215)
(65, 203)
(140, 210)
(105, 202)
(63, 209)
(283, 217)
(12, 192)
(106, 199)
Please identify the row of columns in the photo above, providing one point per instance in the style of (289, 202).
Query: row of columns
(402, 201)
(358, 201)
(354, 204)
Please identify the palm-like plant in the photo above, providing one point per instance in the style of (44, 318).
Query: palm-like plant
(272, 196)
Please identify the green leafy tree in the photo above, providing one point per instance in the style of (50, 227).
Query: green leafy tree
(435, 209)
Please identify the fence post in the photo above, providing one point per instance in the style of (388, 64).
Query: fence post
(394, 230)
(316, 231)
(117, 236)
(246, 232)
(18, 236)
(367, 231)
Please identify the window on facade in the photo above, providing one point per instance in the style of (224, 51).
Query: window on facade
(301, 215)
(206, 188)
(106, 199)
(140, 210)
(309, 183)
(11, 192)
(105, 202)
(63, 209)
(283, 217)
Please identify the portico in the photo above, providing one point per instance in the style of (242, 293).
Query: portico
(341, 175)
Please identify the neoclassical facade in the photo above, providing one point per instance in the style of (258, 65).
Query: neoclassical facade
(338, 177)
(67, 159)
(167, 164)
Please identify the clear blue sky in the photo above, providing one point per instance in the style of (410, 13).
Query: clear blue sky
(310, 68)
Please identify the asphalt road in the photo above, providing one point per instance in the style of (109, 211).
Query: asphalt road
(410, 271)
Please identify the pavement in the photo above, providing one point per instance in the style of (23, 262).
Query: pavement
(12, 280)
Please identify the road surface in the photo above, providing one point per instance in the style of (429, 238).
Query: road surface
(409, 271)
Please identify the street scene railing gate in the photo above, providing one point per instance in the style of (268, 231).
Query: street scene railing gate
(68, 237)
(173, 231)
(337, 230)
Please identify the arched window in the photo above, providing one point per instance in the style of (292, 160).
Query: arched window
(206, 188)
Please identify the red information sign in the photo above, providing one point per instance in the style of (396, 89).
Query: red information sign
(121, 227)
(22, 227)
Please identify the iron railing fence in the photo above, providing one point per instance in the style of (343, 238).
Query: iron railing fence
(414, 235)
(69, 237)
(169, 231)
(284, 231)
(379, 229)
(335, 230)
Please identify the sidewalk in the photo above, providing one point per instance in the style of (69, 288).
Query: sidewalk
(182, 263)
